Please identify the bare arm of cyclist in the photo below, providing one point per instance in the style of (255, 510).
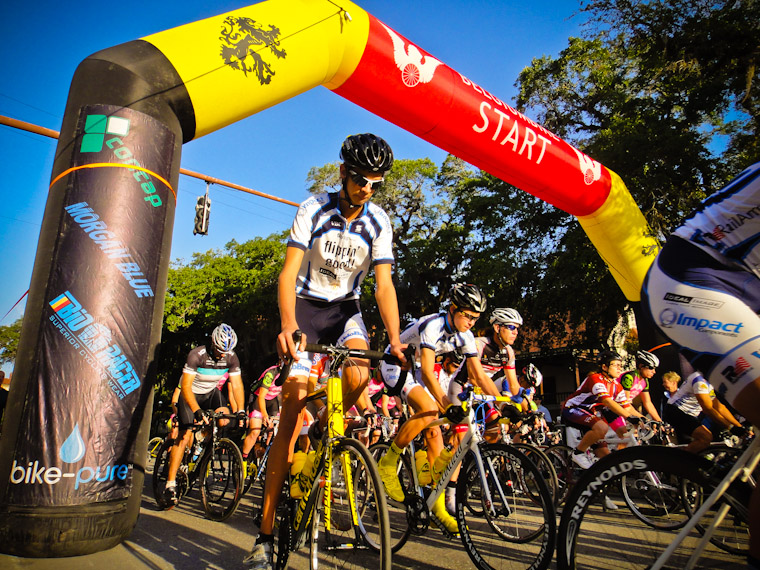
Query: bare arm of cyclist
(387, 304)
(238, 391)
(286, 288)
(186, 385)
(427, 369)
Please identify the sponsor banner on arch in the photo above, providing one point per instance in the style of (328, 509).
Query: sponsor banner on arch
(408, 86)
(92, 353)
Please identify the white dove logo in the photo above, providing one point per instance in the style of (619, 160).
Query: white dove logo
(592, 170)
(409, 61)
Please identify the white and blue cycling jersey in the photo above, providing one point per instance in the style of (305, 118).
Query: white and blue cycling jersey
(338, 253)
(433, 332)
(703, 290)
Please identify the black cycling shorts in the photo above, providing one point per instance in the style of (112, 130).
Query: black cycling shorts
(209, 401)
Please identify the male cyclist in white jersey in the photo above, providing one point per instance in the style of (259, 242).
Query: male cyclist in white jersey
(433, 335)
(204, 368)
(703, 292)
(335, 240)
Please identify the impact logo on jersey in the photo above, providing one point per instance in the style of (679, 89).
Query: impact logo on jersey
(670, 319)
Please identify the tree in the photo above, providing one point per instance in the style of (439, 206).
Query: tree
(237, 286)
(665, 94)
(9, 336)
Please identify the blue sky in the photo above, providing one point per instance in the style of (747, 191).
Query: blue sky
(41, 43)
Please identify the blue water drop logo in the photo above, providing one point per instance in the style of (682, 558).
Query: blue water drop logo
(73, 448)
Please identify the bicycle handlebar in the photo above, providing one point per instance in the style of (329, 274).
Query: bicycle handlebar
(348, 352)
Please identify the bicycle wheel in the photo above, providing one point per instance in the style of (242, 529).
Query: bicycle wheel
(591, 536)
(153, 447)
(350, 526)
(545, 466)
(732, 535)
(399, 524)
(564, 467)
(658, 498)
(516, 523)
(221, 480)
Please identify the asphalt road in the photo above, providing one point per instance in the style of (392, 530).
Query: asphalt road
(183, 539)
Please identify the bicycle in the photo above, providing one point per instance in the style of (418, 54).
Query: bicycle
(153, 447)
(256, 472)
(504, 509)
(343, 512)
(215, 462)
(696, 508)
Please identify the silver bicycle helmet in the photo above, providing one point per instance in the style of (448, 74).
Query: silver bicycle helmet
(647, 359)
(466, 296)
(224, 338)
(506, 316)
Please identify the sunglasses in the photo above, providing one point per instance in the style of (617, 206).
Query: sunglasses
(513, 328)
(363, 181)
(468, 316)
(650, 367)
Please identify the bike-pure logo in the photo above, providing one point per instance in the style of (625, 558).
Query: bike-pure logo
(72, 451)
(97, 230)
(93, 340)
(693, 301)
(670, 318)
(96, 130)
(735, 372)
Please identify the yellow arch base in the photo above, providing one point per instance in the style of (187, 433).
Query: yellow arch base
(622, 236)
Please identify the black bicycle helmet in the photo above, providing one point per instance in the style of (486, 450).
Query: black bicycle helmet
(455, 356)
(647, 359)
(368, 152)
(607, 356)
(467, 296)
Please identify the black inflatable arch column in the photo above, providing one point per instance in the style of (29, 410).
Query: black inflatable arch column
(72, 455)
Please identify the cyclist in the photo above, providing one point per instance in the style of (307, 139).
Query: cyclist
(433, 335)
(334, 241)
(595, 405)
(703, 293)
(636, 382)
(263, 404)
(696, 415)
(496, 353)
(204, 368)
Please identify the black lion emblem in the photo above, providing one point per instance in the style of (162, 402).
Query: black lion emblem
(244, 39)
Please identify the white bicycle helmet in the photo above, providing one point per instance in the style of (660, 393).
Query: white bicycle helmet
(533, 375)
(224, 338)
(506, 316)
(647, 359)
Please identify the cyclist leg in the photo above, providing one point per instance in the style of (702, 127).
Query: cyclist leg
(294, 392)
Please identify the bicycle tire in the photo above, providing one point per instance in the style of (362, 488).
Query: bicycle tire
(544, 464)
(347, 545)
(583, 518)
(732, 535)
(656, 498)
(559, 454)
(283, 531)
(399, 524)
(518, 528)
(221, 480)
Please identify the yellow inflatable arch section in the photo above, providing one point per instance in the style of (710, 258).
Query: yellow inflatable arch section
(78, 416)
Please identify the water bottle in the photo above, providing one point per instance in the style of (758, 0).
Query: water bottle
(423, 467)
(299, 459)
(440, 463)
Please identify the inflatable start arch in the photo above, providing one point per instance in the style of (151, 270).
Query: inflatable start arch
(73, 448)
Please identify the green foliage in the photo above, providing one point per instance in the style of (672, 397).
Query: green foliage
(9, 336)
(237, 286)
